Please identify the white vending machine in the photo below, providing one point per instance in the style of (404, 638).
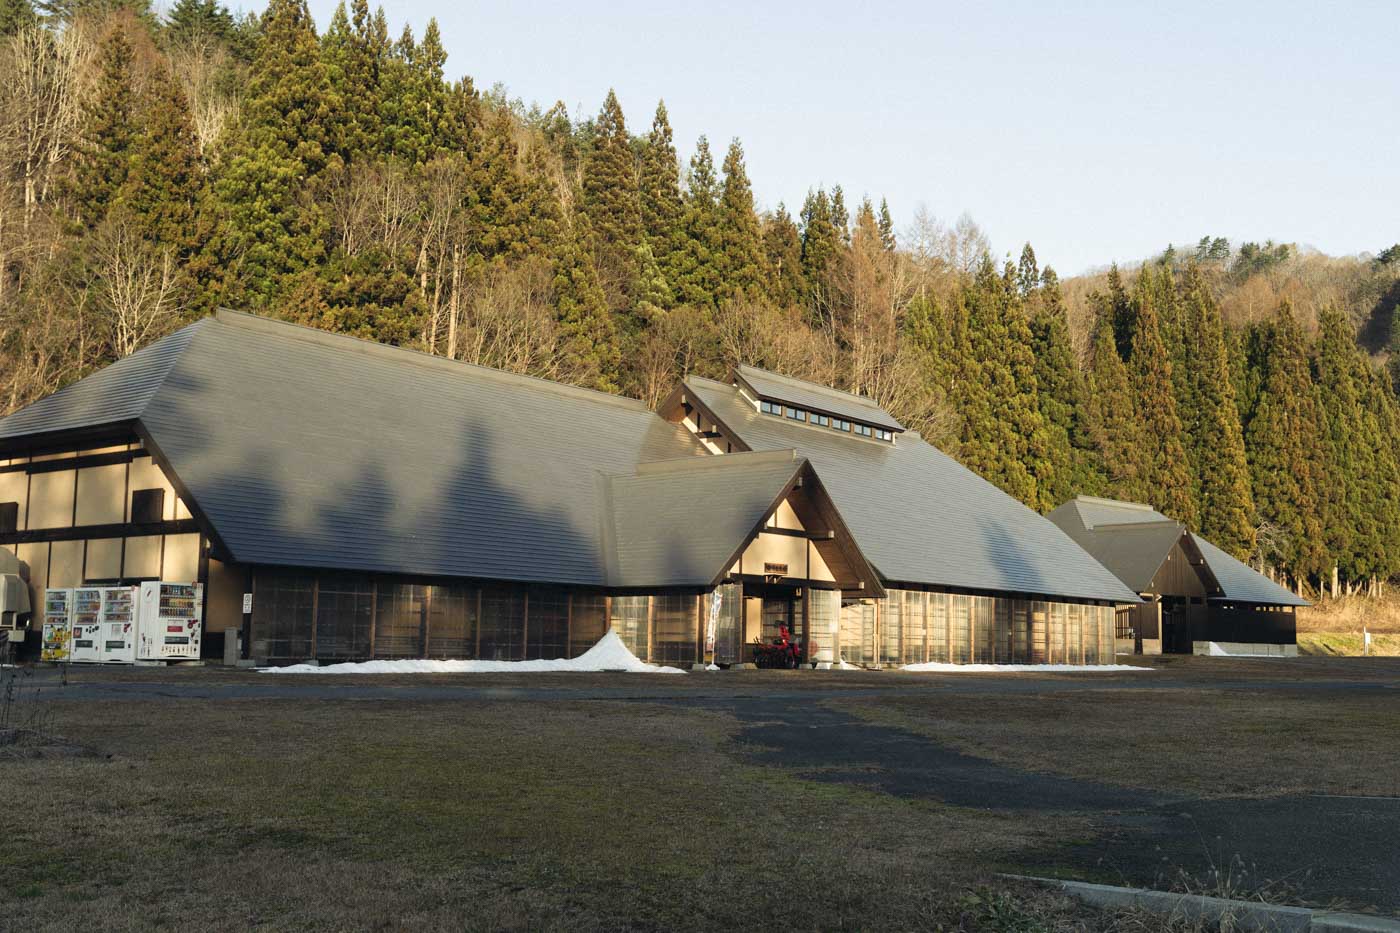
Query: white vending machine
(58, 625)
(119, 624)
(168, 624)
(87, 625)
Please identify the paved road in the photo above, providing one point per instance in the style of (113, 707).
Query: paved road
(1329, 850)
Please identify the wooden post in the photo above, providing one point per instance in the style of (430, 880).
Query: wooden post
(876, 628)
(569, 625)
(315, 610)
(425, 616)
(651, 626)
(525, 624)
(700, 629)
(373, 612)
(478, 623)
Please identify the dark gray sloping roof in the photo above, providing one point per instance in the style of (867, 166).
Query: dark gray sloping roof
(800, 394)
(310, 449)
(116, 394)
(918, 515)
(1091, 511)
(1240, 582)
(679, 521)
(1125, 535)
(1133, 552)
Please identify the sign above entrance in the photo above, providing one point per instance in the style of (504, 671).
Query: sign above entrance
(775, 570)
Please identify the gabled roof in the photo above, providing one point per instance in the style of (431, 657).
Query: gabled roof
(1134, 552)
(1091, 511)
(303, 448)
(659, 532)
(1133, 540)
(809, 395)
(918, 515)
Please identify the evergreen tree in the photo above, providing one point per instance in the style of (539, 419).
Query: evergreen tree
(413, 101)
(109, 132)
(588, 341)
(820, 243)
(1060, 394)
(1003, 434)
(660, 187)
(1349, 521)
(355, 56)
(1027, 272)
(267, 231)
(1121, 315)
(1283, 454)
(1225, 503)
(936, 337)
(1166, 474)
(887, 236)
(740, 257)
(1110, 415)
(16, 15)
(693, 272)
(610, 201)
(840, 217)
(652, 291)
(1383, 414)
(782, 247)
(163, 182)
(195, 19)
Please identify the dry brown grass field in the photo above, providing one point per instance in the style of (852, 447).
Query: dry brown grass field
(225, 800)
(1334, 627)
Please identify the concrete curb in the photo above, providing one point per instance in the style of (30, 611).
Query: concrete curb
(1243, 915)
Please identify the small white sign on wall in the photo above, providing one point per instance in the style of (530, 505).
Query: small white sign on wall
(247, 603)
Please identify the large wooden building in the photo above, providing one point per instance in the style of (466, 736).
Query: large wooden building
(1196, 598)
(367, 501)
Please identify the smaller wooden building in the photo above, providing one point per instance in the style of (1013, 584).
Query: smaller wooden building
(1197, 598)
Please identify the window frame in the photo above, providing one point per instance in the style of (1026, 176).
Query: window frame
(154, 497)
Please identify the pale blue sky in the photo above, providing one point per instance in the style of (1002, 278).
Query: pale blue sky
(1097, 131)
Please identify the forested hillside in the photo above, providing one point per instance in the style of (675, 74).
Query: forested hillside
(155, 168)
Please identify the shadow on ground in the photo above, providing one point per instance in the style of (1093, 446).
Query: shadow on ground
(1322, 851)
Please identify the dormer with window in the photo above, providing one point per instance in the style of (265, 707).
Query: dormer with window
(815, 405)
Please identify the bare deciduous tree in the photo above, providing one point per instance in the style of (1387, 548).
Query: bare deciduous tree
(200, 63)
(135, 285)
(508, 321)
(41, 77)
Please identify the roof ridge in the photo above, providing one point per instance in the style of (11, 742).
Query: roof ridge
(721, 461)
(261, 323)
(1155, 523)
(1117, 503)
(190, 330)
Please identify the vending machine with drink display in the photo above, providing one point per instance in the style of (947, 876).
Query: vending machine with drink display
(168, 625)
(119, 624)
(87, 625)
(58, 625)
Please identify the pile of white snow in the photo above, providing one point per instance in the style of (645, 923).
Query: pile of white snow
(610, 654)
(939, 667)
